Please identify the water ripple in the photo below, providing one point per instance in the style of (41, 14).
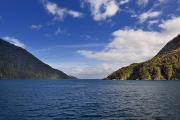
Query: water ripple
(90, 100)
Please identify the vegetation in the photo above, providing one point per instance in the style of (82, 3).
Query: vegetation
(17, 63)
(164, 66)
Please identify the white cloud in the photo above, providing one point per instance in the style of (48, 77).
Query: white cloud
(172, 25)
(14, 41)
(162, 4)
(59, 12)
(73, 46)
(129, 45)
(124, 2)
(147, 15)
(103, 9)
(142, 2)
(36, 27)
(60, 31)
(152, 22)
(163, 1)
(84, 70)
(93, 71)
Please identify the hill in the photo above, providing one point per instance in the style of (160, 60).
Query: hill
(164, 66)
(17, 63)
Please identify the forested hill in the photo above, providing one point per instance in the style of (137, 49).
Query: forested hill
(164, 66)
(17, 63)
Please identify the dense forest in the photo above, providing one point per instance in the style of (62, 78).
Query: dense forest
(164, 66)
(17, 63)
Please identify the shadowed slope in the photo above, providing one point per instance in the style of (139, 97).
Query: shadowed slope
(17, 63)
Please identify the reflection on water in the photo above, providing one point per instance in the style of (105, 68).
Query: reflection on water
(89, 100)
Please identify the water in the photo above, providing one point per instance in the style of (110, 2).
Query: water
(89, 100)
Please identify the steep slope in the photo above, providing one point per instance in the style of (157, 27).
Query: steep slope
(170, 46)
(164, 66)
(17, 63)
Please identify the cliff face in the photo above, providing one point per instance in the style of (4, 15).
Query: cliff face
(17, 63)
(164, 66)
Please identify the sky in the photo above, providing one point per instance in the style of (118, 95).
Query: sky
(90, 38)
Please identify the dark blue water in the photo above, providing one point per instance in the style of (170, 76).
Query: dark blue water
(89, 100)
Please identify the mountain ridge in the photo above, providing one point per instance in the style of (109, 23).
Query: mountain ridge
(164, 66)
(171, 45)
(18, 63)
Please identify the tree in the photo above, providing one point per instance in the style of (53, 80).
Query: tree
(169, 71)
(144, 74)
(157, 73)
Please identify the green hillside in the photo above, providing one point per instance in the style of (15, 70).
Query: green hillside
(164, 66)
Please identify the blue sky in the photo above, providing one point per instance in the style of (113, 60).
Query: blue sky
(90, 38)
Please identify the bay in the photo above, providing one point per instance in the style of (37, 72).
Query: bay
(89, 100)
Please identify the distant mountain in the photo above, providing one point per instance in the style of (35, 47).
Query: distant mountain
(164, 66)
(17, 63)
